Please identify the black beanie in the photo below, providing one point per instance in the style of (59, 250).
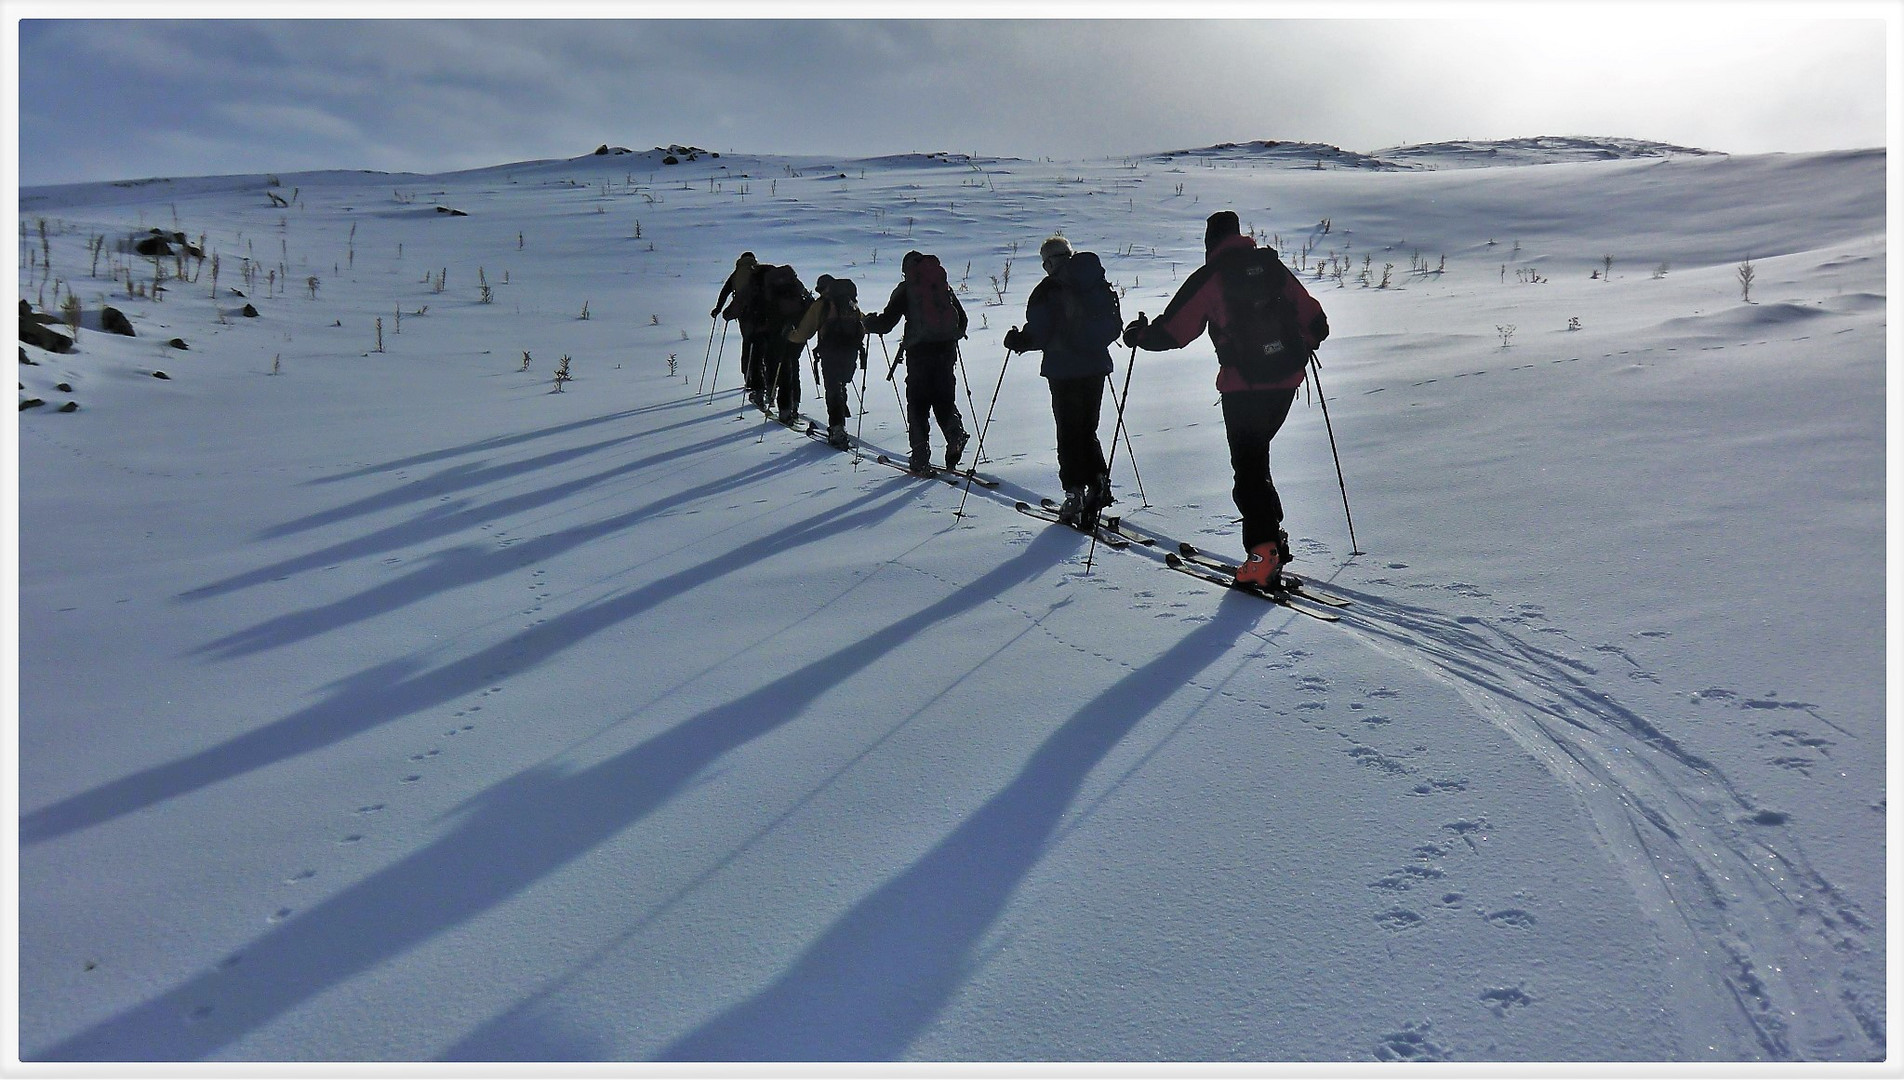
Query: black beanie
(1221, 226)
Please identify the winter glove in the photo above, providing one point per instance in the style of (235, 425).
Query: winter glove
(1137, 330)
(1014, 340)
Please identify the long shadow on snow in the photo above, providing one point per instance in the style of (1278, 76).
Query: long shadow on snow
(521, 830)
(398, 688)
(499, 442)
(438, 522)
(874, 980)
(463, 565)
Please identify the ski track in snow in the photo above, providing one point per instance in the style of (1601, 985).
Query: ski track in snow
(1750, 921)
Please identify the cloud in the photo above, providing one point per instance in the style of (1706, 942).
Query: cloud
(437, 95)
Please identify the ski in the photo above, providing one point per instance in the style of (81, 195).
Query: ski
(1125, 529)
(1283, 598)
(817, 432)
(1292, 585)
(1046, 511)
(955, 478)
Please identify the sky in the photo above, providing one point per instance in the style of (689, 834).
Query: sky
(104, 96)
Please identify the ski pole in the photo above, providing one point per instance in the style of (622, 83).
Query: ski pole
(713, 321)
(1354, 548)
(1128, 446)
(1131, 367)
(892, 365)
(861, 425)
(970, 405)
(983, 428)
(715, 387)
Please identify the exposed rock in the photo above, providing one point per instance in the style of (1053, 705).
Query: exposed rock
(64, 388)
(114, 321)
(39, 335)
(249, 312)
(178, 343)
(71, 406)
(160, 375)
(27, 360)
(31, 403)
(452, 213)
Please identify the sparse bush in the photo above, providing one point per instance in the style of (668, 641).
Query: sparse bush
(561, 373)
(1746, 274)
(1573, 323)
(525, 361)
(1507, 334)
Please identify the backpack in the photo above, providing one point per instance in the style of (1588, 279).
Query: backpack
(841, 331)
(1091, 316)
(1265, 344)
(784, 297)
(749, 299)
(932, 313)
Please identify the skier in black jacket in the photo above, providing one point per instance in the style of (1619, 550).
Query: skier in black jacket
(935, 321)
(1076, 372)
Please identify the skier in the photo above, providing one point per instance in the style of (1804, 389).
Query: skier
(935, 321)
(1265, 326)
(835, 317)
(737, 287)
(1059, 318)
(783, 300)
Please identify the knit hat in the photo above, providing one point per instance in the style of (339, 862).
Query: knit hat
(905, 264)
(820, 283)
(1221, 226)
(746, 259)
(1057, 246)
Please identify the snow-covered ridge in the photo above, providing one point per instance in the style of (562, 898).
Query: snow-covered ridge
(1462, 154)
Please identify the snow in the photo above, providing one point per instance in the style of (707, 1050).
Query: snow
(391, 706)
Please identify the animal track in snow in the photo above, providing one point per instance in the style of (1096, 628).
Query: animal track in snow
(1398, 920)
(1414, 1042)
(1511, 918)
(1504, 999)
(1406, 878)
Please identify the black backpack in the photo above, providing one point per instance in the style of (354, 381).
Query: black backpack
(841, 328)
(1090, 315)
(784, 297)
(1265, 344)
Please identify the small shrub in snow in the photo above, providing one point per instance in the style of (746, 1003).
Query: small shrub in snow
(1507, 334)
(1746, 274)
(561, 373)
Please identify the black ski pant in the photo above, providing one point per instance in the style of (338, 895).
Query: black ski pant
(753, 359)
(932, 387)
(782, 370)
(1251, 418)
(837, 376)
(1076, 405)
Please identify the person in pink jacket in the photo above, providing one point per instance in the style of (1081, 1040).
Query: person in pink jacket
(1265, 327)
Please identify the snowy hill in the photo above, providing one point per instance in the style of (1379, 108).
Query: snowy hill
(379, 702)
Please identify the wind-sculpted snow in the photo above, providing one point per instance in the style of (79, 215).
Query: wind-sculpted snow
(385, 698)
